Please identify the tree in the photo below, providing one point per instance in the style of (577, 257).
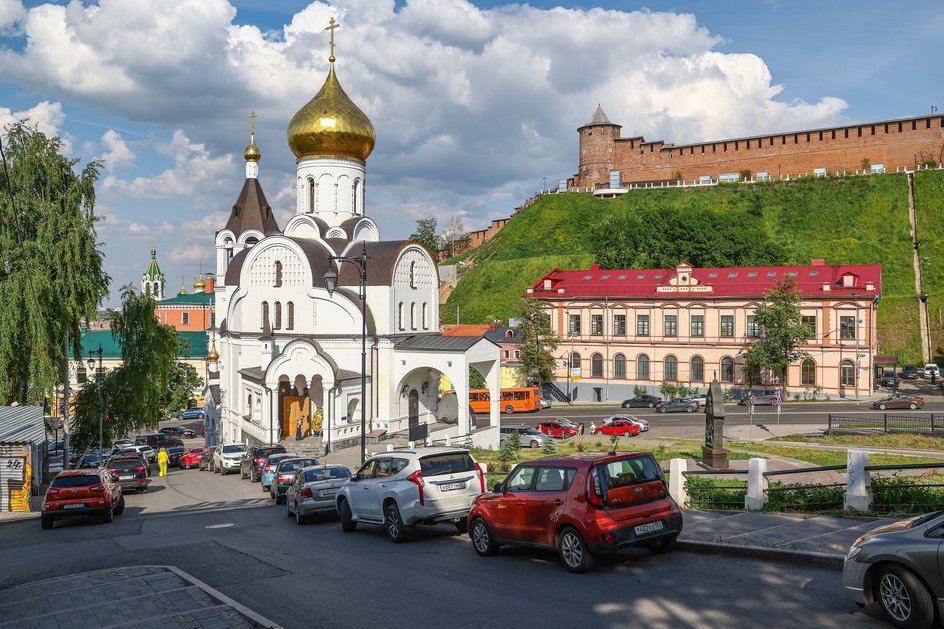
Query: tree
(538, 340)
(134, 394)
(51, 275)
(184, 380)
(476, 380)
(455, 233)
(426, 234)
(782, 329)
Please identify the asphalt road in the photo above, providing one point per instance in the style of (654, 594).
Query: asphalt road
(226, 533)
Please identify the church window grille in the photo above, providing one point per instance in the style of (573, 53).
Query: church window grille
(834, 134)
(311, 195)
(425, 321)
(914, 125)
(413, 316)
(147, 290)
(278, 315)
(412, 274)
(872, 128)
(291, 316)
(278, 274)
(400, 315)
(265, 314)
(860, 131)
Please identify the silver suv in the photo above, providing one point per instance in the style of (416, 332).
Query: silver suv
(407, 487)
(226, 457)
(528, 436)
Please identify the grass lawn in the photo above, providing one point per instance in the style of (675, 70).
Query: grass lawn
(828, 457)
(903, 441)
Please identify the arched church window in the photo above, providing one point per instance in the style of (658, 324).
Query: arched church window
(400, 315)
(413, 316)
(311, 195)
(357, 193)
(249, 405)
(425, 322)
(412, 274)
(265, 315)
(157, 292)
(278, 316)
(251, 240)
(147, 289)
(278, 274)
(291, 316)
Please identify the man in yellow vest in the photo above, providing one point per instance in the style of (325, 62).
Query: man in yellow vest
(162, 461)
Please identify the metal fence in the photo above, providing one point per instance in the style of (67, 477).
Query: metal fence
(885, 423)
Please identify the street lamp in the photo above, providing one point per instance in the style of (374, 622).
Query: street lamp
(331, 284)
(99, 380)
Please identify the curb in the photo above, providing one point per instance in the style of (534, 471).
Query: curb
(256, 619)
(25, 517)
(831, 561)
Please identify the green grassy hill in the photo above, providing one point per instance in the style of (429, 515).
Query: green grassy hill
(843, 220)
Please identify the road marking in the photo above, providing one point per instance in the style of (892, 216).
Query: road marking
(219, 526)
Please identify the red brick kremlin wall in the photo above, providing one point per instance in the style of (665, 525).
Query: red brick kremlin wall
(904, 143)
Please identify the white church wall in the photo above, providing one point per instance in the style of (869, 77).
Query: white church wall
(415, 305)
(338, 189)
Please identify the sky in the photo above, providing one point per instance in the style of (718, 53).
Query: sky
(475, 103)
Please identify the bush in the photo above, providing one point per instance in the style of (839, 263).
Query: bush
(895, 495)
(668, 390)
(638, 390)
(804, 498)
(508, 450)
(707, 493)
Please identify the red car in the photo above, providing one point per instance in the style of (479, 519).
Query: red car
(617, 427)
(582, 505)
(81, 492)
(190, 458)
(554, 428)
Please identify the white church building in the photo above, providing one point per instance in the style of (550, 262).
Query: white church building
(289, 350)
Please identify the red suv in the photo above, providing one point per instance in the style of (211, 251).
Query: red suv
(554, 428)
(618, 427)
(581, 504)
(82, 492)
(190, 458)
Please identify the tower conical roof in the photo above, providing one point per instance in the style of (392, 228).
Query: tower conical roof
(153, 272)
(598, 117)
(252, 211)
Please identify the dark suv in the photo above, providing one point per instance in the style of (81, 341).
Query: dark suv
(581, 504)
(909, 372)
(251, 465)
(159, 440)
(130, 472)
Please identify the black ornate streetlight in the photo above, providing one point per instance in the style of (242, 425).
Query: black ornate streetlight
(331, 284)
(99, 381)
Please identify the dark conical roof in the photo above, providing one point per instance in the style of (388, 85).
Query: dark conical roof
(598, 117)
(252, 211)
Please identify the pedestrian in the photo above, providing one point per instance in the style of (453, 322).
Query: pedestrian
(162, 461)
(593, 428)
(298, 429)
(582, 427)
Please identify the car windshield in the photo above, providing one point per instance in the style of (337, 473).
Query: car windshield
(926, 518)
(76, 481)
(233, 448)
(529, 431)
(176, 450)
(294, 464)
(326, 473)
(630, 471)
(448, 463)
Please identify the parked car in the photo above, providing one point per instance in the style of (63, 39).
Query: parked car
(701, 399)
(173, 456)
(130, 471)
(54, 446)
(190, 458)
(898, 566)
(158, 440)
(91, 459)
(420, 486)
(679, 405)
(120, 443)
(268, 468)
(284, 473)
(909, 372)
(206, 459)
(313, 490)
(582, 505)
(179, 431)
(140, 456)
(642, 423)
(647, 401)
(555, 428)
(761, 398)
(251, 465)
(149, 452)
(545, 402)
(899, 401)
(226, 458)
(930, 368)
(528, 436)
(192, 413)
(82, 492)
(617, 427)
(889, 379)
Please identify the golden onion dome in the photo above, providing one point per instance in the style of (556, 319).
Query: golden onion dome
(213, 355)
(199, 285)
(331, 125)
(252, 152)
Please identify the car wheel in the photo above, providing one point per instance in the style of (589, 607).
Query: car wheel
(394, 524)
(299, 518)
(348, 525)
(533, 443)
(482, 541)
(625, 405)
(882, 407)
(663, 545)
(462, 525)
(904, 598)
(109, 516)
(690, 409)
(573, 551)
(46, 523)
(200, 416)
(242, 474)
(217, 469)
(252, 476)
(627, 434)
(651, 405)
(144, 489)
(912, 406)
(509, 409)
(120, 508)
(662, 410)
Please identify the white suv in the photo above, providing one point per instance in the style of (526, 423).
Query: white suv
(407, 487)
(226, 458)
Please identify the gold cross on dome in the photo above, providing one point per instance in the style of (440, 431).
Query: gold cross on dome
(252, 122)
(332, 24)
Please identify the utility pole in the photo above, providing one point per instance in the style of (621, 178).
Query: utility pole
(65, 402)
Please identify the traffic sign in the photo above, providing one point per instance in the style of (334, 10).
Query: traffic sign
(779, 393)
(753, 400)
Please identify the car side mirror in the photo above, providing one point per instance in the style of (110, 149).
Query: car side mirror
(355, 476)
(498, 489)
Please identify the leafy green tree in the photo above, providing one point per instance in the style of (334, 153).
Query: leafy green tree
(426, 234)
(184, 380)
(135, 394)
(51, 275)
(783, 331)
(538, 340)
(476, 380)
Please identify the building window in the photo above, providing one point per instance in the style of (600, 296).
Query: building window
(291, 316)
(697, 369)
(642, 367)
(642, 325)
(808, 373)
(357, 191)
(847, 374)
(810, 322)
(412, 274)
(278, 274)
(265, 314)
(185, 318)
(727, 369)
(425, 319)
(596, 366)
(670, 368)
(698, 325)
(847, 327)
(619, 366)
(619, 325)
(278, 316)
(400, 315)
(413, 316)
(596, 324)
(671, 325)
(311, 196)
(753, 330)
(727, 325)
(573, 327)
(507, 354)
(574, 360)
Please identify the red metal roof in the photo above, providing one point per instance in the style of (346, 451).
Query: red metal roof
(745, 281)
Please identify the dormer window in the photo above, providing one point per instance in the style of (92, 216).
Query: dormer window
(848, 280)
(751, 275)
(547, 284)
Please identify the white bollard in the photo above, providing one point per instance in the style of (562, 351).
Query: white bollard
(858, 481)
(389, 447)
(677, 469)
(410, 444)
(429, 441)
(756, 485)
(448, 441)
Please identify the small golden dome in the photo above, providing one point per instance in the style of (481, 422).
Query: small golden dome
(331, 125)
(199, 285)
(252, 152)
(213, 355)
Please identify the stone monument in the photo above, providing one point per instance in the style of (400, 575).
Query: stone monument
(713, 453)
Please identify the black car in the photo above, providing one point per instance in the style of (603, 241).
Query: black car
(130, 472)
(174, 454)
(92, 458)
(889, 379)
(159, 440)
(179, 431)
(284, 474)
(680, 405)
(761, 398)
(251, 465)
(206, 459)
(910, 372)
(648, 401)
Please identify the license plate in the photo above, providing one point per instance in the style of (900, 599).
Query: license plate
(451, 486)
(642, 529)
(329, 492)
(126, 478)
(73, 506)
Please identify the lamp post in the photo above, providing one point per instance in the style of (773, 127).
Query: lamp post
(99, 380)
(331, 284)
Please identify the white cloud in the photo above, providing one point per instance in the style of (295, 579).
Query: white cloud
(189, 254)
(117, 153)
(12, 13)
(48, 117)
